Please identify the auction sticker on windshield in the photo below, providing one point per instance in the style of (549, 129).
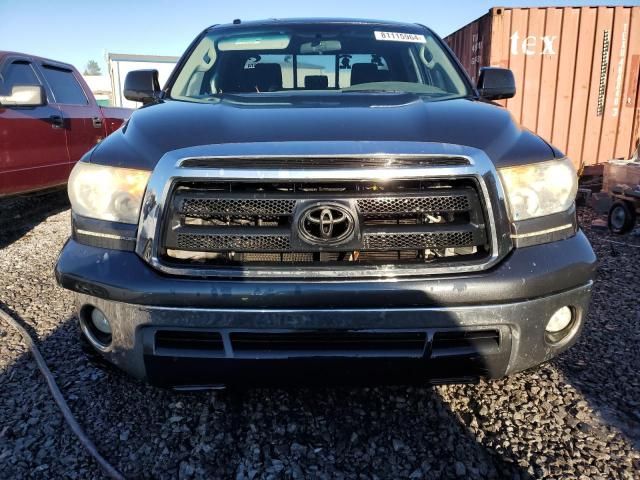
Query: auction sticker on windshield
(400, 37)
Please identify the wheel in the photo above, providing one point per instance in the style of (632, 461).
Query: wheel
(622, 217)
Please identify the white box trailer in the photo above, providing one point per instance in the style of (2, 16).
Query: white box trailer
(120, 64)
(100, 86)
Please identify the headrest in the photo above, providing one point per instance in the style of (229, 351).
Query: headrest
(316, 82)
(268, 77)
(366, 73)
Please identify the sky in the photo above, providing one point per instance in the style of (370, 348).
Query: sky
(76, 31)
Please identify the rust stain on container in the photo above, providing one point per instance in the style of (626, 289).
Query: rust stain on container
(577, 73)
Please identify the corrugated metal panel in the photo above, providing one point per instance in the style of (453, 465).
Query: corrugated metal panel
(581, 80)
(597, 88)
(470, 45)
(627, 99)
(548, 78)
(577, 73)
(568, 61)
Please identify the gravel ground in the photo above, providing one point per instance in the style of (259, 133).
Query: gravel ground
(576, 417)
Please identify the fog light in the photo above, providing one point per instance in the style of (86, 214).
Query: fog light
(560, 320)
(96, 327)
(100, 322)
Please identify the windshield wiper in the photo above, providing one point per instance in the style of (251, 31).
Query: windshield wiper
(374, 90)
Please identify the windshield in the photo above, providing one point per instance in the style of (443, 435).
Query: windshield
(304, 59)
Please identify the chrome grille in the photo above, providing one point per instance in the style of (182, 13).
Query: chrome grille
(236, 223)
(330, 162)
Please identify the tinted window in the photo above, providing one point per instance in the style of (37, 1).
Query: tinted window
(66, 88)
(18, 73)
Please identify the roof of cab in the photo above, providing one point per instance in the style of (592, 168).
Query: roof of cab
(36, 58)
(316, 21)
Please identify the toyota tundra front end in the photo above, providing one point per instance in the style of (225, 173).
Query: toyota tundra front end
(320, 200)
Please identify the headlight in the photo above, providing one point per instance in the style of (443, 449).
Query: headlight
(107, 193)
(539, 189)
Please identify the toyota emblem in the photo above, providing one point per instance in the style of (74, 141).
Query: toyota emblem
(326, 224)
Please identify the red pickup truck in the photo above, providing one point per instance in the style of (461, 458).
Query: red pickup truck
(48, 119)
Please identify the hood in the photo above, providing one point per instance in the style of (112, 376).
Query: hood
(354, 117)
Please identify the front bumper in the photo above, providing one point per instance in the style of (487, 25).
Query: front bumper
(440, 328)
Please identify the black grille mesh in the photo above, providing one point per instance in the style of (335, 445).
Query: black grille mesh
(211, 207)
(261, 243)
(401, 241)
(293, 257)
(450, 203)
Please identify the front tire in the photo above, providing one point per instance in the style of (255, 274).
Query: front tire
(622, 217)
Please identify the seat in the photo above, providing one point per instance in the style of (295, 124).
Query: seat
(232, 81)
(316, 82)
(267, 77)
(367, 73)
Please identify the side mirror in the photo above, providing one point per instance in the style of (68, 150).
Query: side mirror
(496, 83)
(142, 86)
(25, 96)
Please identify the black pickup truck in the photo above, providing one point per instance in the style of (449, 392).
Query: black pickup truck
(324, 200)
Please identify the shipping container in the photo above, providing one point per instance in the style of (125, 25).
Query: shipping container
(577, 73)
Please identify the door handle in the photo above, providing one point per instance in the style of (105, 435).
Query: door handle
(57, 121)
(97, 122)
